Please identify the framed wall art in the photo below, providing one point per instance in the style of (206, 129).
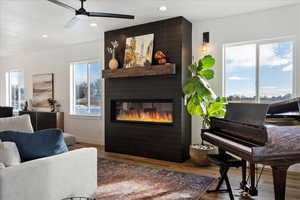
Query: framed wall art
(43, 89)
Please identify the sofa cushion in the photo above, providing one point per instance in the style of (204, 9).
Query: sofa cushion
(9, 154)
(18, 123)
(41, 144)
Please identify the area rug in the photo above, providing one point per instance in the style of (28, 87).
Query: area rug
(127, 181)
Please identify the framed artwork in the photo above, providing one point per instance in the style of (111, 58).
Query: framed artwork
(138, 51)
(43, 89)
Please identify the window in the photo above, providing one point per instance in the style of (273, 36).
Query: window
(259, 72)
(86, 88)
(15, 89)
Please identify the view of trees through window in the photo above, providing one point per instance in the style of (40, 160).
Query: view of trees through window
(259, 72)
(87, 88)
(16, 89)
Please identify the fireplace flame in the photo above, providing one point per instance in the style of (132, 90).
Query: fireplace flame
(159, 117)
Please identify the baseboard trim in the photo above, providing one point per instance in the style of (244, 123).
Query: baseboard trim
(89, 140)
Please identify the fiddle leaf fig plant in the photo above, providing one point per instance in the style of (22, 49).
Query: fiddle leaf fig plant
(201, 100)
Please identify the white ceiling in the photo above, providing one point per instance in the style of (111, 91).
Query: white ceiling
(23, 22)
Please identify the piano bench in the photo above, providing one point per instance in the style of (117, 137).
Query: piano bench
(224, 161)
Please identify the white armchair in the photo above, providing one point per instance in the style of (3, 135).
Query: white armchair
(52, 178)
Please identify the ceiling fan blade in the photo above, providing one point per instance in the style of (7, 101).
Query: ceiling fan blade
(101, 14)
(62, 5)
(72, 22)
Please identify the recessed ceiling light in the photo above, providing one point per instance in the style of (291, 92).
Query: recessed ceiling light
(93, 25)
(45, 36)
(163, 8)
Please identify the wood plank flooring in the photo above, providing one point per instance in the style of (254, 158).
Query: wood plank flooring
(265, 186)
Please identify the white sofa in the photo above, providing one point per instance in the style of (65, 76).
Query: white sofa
(57, 177)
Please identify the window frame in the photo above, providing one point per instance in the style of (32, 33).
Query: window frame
(258, 43)
(8, 88)
(72, 89)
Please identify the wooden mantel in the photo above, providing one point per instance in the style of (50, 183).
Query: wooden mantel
(153, 70)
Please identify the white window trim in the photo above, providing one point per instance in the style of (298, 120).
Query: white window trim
(72, 92)
(258, 43)
(8, 101)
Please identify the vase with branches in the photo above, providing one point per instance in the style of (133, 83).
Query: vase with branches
(201, 99)
(113, 63)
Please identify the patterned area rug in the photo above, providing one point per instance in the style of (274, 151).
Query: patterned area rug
(126, 181)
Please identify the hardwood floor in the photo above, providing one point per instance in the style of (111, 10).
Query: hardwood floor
(265, 186)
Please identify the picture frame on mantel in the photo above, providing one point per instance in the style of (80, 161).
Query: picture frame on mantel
(138, 51)
(42, 89)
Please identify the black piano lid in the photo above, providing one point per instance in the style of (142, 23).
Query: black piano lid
(288, 106)
(249, 113)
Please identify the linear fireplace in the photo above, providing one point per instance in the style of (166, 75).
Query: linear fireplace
(143, 111)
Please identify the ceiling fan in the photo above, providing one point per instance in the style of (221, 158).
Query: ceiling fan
(81, 13)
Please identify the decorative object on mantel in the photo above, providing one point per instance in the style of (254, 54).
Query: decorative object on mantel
(138, 51)
(147, 182)
(113, 63)
(202, 101)
(153, 70)
(43, 85)
(160, 57)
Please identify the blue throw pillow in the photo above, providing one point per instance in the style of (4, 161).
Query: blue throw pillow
(36, 145)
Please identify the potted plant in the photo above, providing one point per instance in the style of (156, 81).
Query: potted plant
(202, 101)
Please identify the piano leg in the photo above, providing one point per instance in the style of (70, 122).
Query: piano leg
(252, 189)
(243, 184)
(279, 181)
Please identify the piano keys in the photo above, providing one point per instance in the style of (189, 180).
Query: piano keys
(260, 134)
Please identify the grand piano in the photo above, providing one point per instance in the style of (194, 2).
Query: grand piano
(260, 134)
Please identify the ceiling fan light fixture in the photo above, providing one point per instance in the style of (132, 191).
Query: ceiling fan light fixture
(93, 25)
(82, 16)
(163, 8)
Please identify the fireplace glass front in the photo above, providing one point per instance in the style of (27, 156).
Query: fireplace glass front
(159, 111)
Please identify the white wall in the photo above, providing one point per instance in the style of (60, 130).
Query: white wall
(268, 24)
(57, 61)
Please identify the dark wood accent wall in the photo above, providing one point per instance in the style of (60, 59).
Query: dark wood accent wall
(174, 38)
